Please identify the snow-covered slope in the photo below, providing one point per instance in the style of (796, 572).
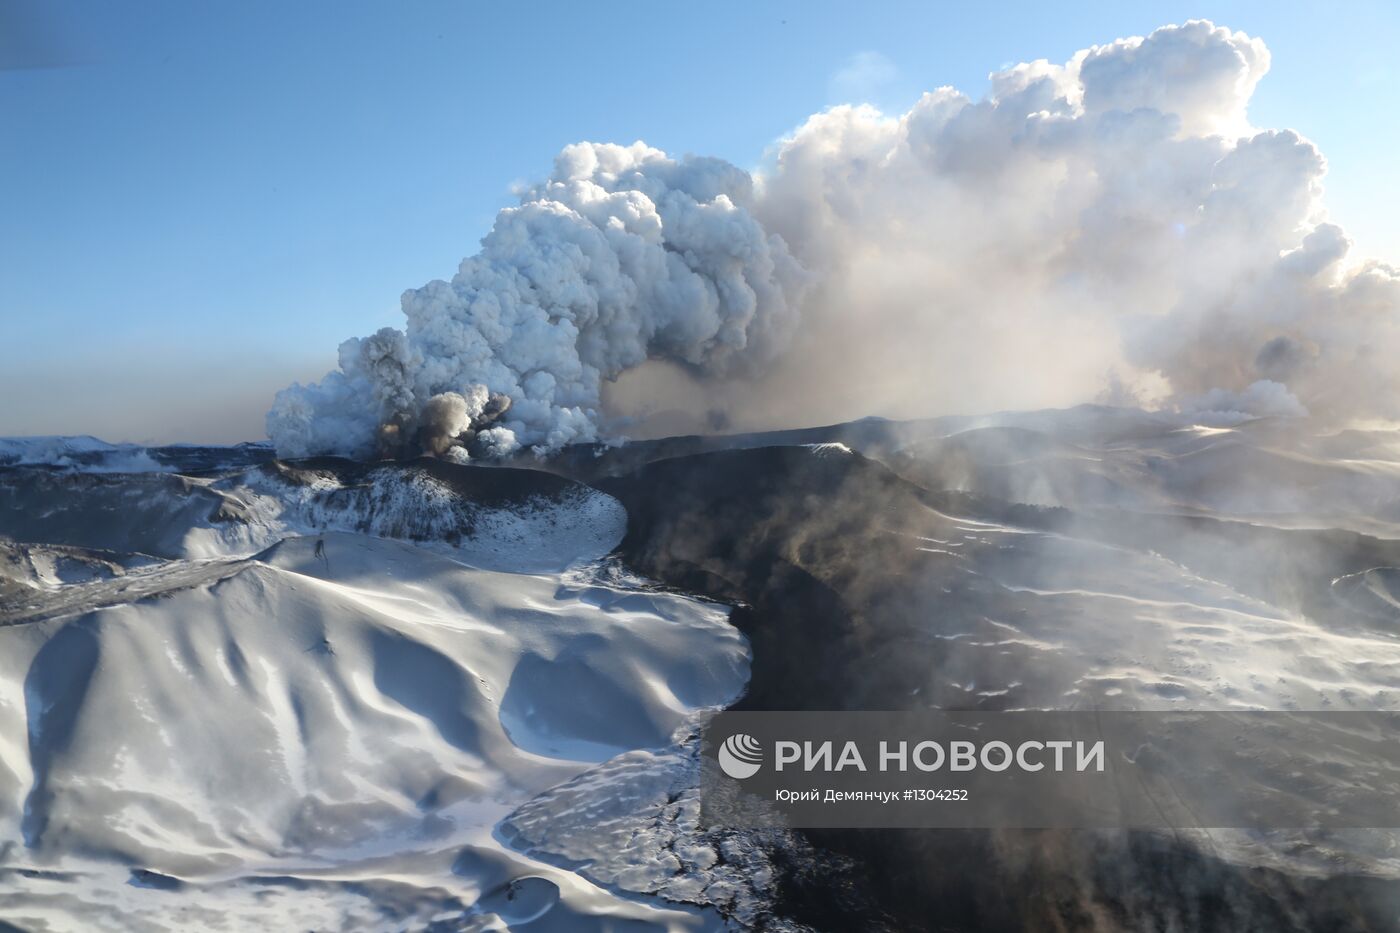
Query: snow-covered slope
(513, 519)
(288, 739)
(327, 718)
(469, 711)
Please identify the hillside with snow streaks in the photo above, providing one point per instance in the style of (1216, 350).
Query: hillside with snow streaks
(477, 705)
(194, 734)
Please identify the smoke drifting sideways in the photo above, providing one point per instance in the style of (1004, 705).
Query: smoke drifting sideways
(1108, 229)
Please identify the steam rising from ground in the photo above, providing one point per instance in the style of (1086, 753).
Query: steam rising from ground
(1111, 228)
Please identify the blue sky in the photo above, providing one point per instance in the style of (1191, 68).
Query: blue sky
(201, 200)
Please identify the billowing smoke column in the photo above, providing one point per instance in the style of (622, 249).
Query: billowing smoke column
(621, 256)
(1111, 228)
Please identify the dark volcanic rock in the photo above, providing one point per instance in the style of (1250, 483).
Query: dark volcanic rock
(862, 590)
(155, 513)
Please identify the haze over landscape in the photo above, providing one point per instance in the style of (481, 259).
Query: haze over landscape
(1068, 391)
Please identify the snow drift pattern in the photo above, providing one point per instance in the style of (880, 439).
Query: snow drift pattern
(1111, 228)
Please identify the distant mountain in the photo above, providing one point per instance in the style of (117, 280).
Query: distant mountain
(82, 452)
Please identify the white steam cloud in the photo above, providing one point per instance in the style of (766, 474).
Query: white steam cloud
(623, 255)
(1110, 228)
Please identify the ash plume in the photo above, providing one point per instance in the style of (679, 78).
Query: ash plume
(622, 255)
(1110, 228)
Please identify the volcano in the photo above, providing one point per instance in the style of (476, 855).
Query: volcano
(237, 691)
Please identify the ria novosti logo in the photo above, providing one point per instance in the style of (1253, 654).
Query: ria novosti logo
(740, 756)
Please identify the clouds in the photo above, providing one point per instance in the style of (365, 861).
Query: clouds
(1109, 227)
(1200, 74)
